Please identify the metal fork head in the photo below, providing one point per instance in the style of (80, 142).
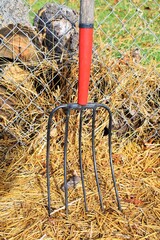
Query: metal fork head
(81, 109)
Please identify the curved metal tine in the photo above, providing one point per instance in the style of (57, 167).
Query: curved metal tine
(65, 159)
(80, 158)
(94, 157)
(48, 155)
(47, 163)
(111, 160)
(48, 159)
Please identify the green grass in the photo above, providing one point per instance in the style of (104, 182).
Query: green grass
(124, 26)
(35, 5)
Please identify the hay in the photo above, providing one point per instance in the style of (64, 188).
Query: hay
(136, 150)
(24, 203)
(130, 90)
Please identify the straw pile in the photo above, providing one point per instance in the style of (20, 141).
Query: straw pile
(136, 151)
(23, 196)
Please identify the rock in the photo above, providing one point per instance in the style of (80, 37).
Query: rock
(58, 27)
(13, 12)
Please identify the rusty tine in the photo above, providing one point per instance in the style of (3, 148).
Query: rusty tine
(85, 55)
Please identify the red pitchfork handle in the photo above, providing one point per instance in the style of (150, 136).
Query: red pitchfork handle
(85, 48)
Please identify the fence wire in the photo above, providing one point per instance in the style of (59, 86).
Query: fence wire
(39, 70)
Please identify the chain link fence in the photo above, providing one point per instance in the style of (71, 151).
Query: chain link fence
(39, 69)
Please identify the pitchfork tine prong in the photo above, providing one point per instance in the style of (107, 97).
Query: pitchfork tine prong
(94, 158)
(80, 158)
(48, 165)
(63, 106)
(65, 159)
(110, 158)
(48, 158)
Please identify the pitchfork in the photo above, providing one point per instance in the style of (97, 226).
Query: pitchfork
(85, 55)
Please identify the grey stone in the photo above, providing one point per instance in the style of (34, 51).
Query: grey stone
(13, 11)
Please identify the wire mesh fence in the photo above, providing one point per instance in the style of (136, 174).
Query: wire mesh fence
(39, 65)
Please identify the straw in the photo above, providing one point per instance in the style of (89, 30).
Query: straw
(136, 154)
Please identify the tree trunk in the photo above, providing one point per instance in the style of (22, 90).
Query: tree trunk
(20, 43)
(18, 39)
